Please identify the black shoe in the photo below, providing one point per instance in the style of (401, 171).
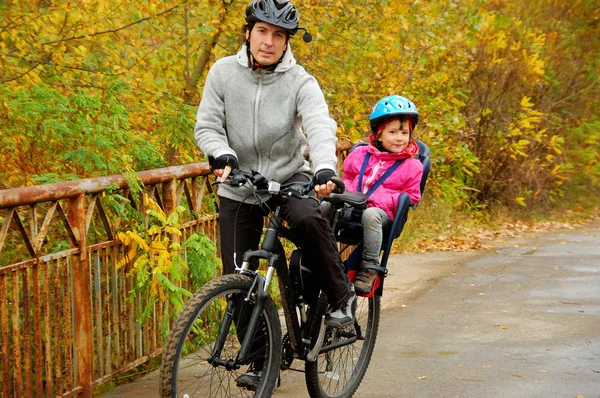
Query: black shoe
(251, 379)
(343, 316)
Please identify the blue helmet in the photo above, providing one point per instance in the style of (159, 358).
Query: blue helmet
(392, 107)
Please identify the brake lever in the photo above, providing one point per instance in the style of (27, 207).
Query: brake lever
(236, 178)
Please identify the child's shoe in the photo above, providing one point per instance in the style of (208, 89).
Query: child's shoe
(365, 279)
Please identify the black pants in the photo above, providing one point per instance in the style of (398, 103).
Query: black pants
(241, 228)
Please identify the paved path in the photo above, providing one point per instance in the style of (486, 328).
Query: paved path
(522, 320)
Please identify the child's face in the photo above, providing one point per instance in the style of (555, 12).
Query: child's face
(395, 136)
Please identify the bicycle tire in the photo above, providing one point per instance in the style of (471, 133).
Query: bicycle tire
(185, 370)
(339, 372)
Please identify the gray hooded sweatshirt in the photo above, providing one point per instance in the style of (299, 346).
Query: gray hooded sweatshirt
(258, 117)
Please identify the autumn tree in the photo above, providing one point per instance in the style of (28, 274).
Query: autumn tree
(507, 91)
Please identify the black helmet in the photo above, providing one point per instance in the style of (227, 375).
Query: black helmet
(281, 13)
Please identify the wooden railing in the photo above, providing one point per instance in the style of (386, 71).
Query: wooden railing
(68, 323)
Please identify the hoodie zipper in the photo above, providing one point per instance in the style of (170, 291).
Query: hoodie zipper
(255, 132)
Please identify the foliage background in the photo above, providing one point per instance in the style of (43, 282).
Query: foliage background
(508, 90)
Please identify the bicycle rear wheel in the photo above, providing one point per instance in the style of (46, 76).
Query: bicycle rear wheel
(186, 369)
(339, 371)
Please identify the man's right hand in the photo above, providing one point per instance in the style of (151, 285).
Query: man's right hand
(222, 165)
(322, 182)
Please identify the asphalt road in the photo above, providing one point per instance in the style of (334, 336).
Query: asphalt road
(519, 320)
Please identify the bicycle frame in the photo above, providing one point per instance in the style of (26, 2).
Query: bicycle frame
(250, 312)
(272, 251)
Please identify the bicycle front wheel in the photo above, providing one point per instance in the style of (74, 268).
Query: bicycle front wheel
(199, 358)
(346, 352)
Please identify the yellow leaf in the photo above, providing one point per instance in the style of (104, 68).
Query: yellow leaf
(123, 238)
(526, 103)
(139, 240)
(153, 230)
(467, 171)
(458, 102)
(173, 230)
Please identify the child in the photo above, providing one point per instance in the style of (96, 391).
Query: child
(392, 121)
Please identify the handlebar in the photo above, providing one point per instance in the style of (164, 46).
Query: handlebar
(240, 178)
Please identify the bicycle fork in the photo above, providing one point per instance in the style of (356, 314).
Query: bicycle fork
(259, 286)
(261, 296)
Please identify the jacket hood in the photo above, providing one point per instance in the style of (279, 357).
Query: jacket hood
(411, 150)
(286, 63)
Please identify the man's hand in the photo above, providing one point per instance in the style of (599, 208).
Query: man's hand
(222, 165)
(323, 184)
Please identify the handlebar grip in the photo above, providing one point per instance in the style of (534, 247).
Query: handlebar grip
(340, 187)
(236, 177)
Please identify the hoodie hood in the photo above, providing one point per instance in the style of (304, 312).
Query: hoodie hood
(287, 62)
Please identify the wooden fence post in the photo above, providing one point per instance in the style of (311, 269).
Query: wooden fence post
(82, 300)
(169, 191)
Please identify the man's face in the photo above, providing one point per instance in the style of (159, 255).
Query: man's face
(267, 42)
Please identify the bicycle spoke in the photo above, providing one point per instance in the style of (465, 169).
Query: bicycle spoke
(339, 371)
(191, 366)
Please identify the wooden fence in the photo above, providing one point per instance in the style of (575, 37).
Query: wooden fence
(67, 321)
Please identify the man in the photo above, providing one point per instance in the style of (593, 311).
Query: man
(250, 117)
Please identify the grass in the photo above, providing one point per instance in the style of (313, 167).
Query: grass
(438, 226)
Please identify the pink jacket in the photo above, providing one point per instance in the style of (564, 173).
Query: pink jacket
(406, 178)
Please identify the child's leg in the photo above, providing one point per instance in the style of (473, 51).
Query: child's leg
(374, 220)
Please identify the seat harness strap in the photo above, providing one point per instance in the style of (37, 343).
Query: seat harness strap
(380, 180)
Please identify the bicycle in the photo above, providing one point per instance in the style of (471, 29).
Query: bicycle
(231, 318)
